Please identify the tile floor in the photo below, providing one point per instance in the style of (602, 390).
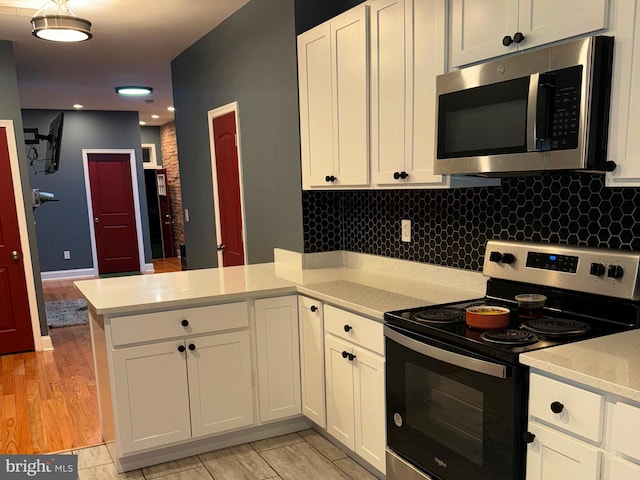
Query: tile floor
(305, 455)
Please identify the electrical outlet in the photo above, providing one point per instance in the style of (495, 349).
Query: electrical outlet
(406, 230)
(186, 214)
(67, 255)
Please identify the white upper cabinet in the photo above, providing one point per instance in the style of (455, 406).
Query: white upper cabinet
(333, 71)
(490, 28)
(407, 52)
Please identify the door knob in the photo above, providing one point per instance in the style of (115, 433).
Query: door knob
(96, 220)
(221, 246)
(15, 255)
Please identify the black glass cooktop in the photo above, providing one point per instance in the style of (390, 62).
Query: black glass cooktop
(445, 324)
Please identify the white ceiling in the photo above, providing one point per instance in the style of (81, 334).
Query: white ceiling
(133, 43)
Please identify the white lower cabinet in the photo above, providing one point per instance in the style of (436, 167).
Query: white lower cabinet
(554, 456)
(580, 432)
(171, 391)
(278, 356)
(311, 326)
(355, 384)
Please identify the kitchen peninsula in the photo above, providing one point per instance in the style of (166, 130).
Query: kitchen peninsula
(191, 361)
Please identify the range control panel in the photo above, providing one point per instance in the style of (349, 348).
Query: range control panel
(600, 271)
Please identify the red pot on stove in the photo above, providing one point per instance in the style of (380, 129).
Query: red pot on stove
(487, 317)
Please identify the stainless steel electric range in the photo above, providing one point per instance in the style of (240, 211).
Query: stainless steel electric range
(457, 396)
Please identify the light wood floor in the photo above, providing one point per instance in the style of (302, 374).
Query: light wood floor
(48, 400)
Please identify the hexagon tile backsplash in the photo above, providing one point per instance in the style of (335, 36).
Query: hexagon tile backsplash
(451, 227)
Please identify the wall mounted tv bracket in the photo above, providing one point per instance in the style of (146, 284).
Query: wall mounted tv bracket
(32, 136)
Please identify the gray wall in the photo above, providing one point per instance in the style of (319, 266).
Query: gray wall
(10, 110)
(250, 58)
(152, 135)
(64, 225)
(310, 13)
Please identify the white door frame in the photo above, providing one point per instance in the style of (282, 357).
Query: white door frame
(40, 342)
(136, 204)
(211, 114)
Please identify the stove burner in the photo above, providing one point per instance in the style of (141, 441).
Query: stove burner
(440, 315)
(509, 336)
(556, 326)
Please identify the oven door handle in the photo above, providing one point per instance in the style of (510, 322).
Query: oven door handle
(474, 364)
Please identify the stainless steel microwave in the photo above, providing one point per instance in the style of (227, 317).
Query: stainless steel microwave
(537, 111)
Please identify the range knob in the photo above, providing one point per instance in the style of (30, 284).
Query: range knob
(615, 271)
(495, 257)
(508, 258)
(597, 269)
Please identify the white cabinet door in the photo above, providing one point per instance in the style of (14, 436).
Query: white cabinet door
(350, 75)
(428, 51)
(340, 381)
(316, 105)
(547, 21)
(389, 70)
(310, 315)
(278, 357)
(220, 387)
(369, 405)
(150, 396)
(554, 456)
(618, 469)
(404, 63)
(477, 28)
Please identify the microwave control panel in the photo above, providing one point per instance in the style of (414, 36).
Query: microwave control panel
(564, 91)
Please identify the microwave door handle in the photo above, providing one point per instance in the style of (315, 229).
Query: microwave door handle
(532, 113)
(469, 363)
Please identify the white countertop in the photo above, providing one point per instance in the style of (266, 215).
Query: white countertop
(610, 363)
(363, 285)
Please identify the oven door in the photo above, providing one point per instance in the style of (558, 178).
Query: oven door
(453, 416)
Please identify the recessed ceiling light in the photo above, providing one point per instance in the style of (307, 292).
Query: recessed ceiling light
(134, 90)
(61, 25)
(78, 106)
(171, 109)
(155, 116)
(142, 122)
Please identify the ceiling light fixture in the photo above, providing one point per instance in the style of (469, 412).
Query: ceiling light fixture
(133, 90)
(77, 106)
(171, 109)
(142, 122)
(60, 26)
(155, 117)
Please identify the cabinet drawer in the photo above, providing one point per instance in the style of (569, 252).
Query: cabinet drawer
(579, 411)
(360, 330)
(158, 325)
(626, 424)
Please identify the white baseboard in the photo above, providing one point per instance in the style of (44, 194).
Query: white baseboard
(64, 274)
(148, 268)
(45, 344)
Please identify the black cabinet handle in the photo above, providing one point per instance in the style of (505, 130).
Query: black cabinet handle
(557, 407)
(507, 40)
(528, 437)
(330, 178)
(184, 323)
(400, 175)
(396, 175)
(347, 328)
(314, 308)
(518, 37)
(345, 354)
(351, 357)
(181, 348)
(192, 347)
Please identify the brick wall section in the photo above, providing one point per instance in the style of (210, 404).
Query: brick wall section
(170, 162)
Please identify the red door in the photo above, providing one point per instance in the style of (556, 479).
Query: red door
(15, 321)
(166, 219)
(224, 134)
(113, 212)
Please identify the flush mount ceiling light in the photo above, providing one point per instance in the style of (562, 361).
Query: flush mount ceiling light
(134, 90)
(61, 25)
